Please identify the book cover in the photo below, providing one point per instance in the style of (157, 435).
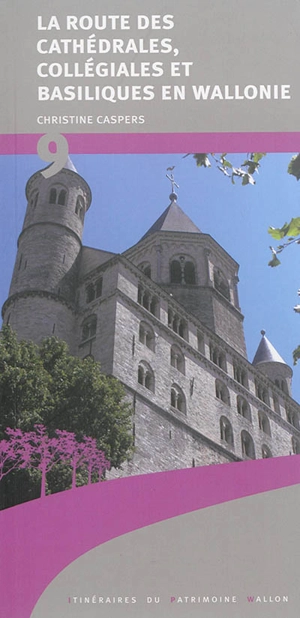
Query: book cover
(149, 224)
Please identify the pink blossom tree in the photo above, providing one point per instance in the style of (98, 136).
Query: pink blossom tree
(71, 451)
(15, 453)
(45, 452)
(35, 449)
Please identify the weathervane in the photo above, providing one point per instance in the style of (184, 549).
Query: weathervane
(173, 196)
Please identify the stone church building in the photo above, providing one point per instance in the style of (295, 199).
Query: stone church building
(164, 318)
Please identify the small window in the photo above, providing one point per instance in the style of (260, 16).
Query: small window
(282, 385)
(295, 446)
(226, 433)
(146, 376)
(175, 272)
(148, 300)
(222, 392)
(265, 452)
(178, 399)
(262, 392)
(177, 324)
(146, 336)
(221, 283)
(62, 197)
(182, 271)
(264, 423)
(292, 418)
(58, 196)
(189, 273)
(243, 407)
(79, 208)
(177, 359)
(89, 327)
(248, 449)
(217, 357)
(240, 375)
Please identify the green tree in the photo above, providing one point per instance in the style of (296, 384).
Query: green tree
(45, 384)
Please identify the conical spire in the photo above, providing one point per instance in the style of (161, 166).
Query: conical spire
(266, 352)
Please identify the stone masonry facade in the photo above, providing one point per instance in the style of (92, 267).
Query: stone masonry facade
(163, 318)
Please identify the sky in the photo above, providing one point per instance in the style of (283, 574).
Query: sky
(131, 191)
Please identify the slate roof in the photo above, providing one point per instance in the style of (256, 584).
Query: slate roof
(173, 219)
(266, 352)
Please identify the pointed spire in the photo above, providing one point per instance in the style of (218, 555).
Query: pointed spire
(266, 352)
(173, 219)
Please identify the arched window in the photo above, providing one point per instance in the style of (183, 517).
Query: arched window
(178, 398)
(175, 272)
(62, 197)
(182, 270)
(58, 196)
(146, 376)
(265, 452)
(79, 208)
(222, 392)
(178, 324)
(148, 301)
(177, 359)
(292, 418)
(243, 407)
(295, 446)
(189, 273)
(94, 290)
(262, 392)
(146, 268)
(221, 283)
(282, 385)
(240, 374)
(264, 423)
(226, 432)
(89, 327)
(248, 449)
(146, 336)
(217, 356)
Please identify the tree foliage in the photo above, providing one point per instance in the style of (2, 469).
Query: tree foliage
(46, 385)
(245, 172)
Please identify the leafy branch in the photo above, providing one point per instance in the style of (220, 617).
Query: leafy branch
(245, 172)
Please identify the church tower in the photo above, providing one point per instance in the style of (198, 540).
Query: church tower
(42, 294)
(193, 268)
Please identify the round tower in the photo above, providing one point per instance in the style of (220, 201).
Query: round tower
(42, 294)
(269, 362)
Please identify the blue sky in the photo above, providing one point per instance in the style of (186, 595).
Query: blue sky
(131, 191)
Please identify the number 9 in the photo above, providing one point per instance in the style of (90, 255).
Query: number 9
(58, 158)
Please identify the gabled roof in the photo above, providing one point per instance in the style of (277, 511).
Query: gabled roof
(173, 219)
(266, 352)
